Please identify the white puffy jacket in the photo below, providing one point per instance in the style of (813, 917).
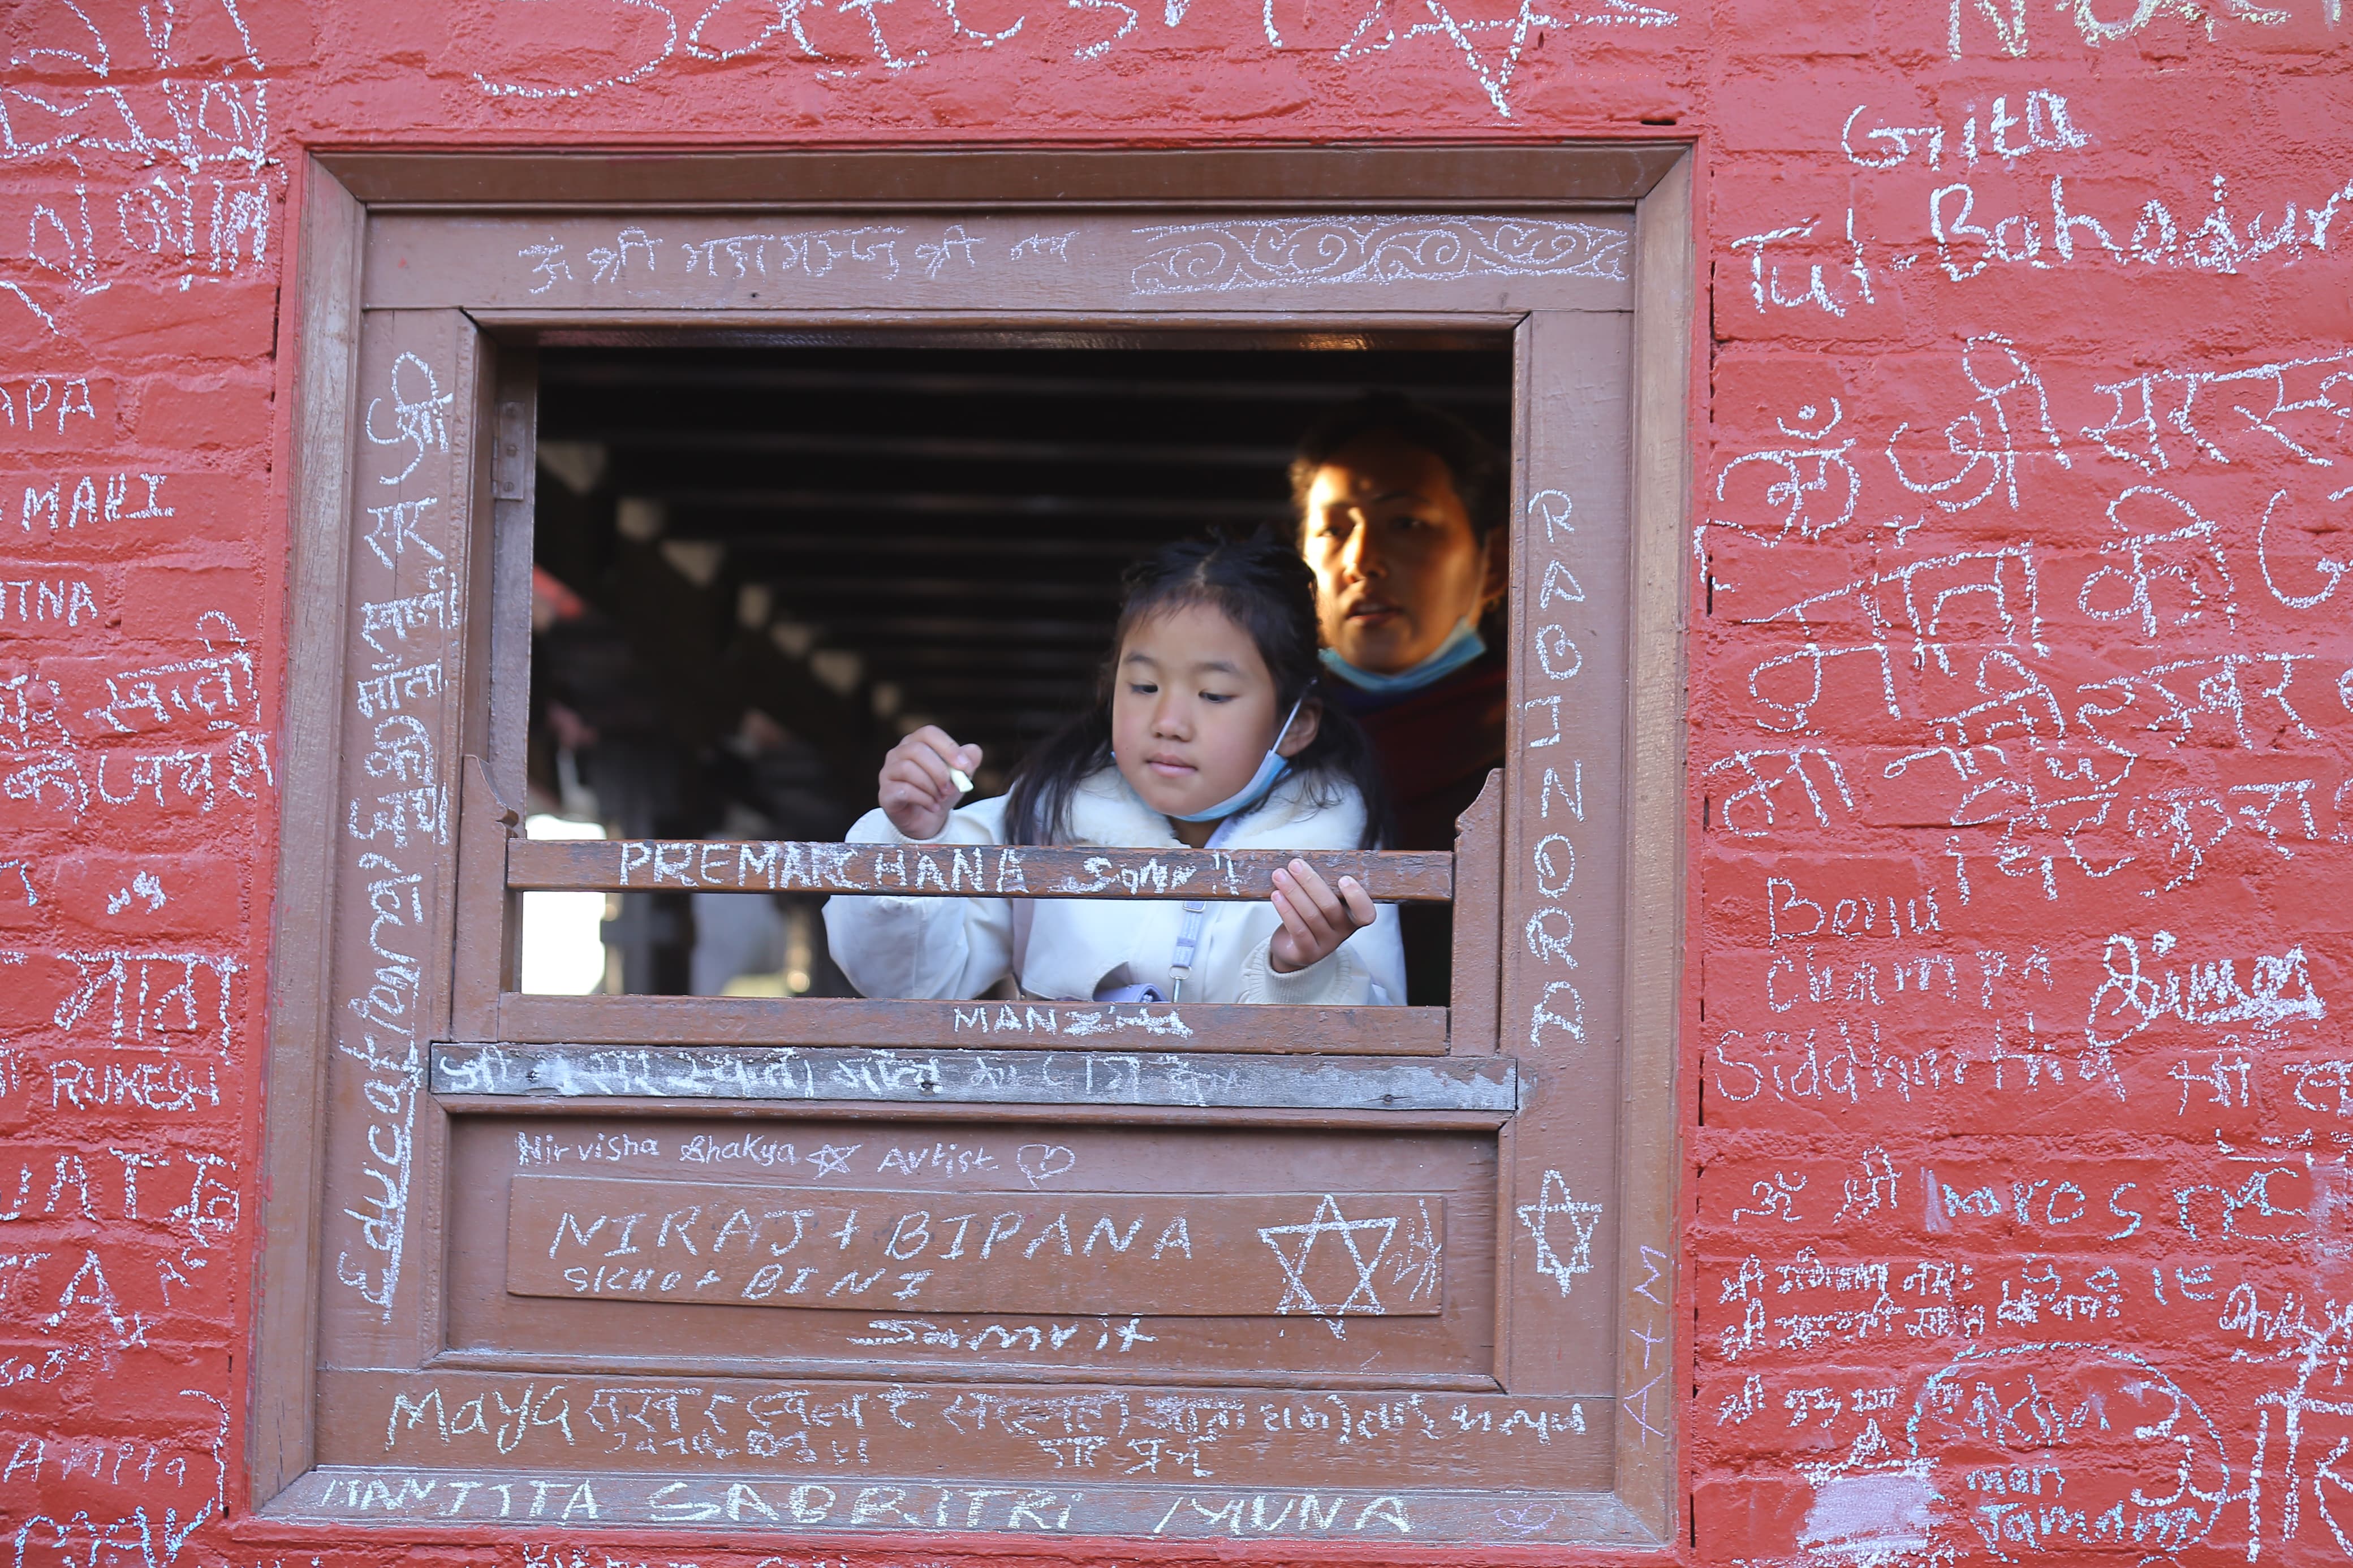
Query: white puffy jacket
(1078, 949)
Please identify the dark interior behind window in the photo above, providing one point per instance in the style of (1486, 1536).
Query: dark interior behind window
(757, 567)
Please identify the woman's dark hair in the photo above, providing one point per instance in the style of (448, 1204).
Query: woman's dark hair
(1482, 478)
(1262, 586)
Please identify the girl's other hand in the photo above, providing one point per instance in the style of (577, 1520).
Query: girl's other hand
(917, 786)
(1316, 919)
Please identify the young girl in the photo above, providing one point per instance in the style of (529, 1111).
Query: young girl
(1207, 734)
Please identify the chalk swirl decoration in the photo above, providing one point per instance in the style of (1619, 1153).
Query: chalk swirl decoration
(1200, 258)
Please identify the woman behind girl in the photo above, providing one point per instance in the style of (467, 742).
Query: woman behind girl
(1206, 733)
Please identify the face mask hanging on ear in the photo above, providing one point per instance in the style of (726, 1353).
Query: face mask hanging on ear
(1271, 768)
(1463, 646)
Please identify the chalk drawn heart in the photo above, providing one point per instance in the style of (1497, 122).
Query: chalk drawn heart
(1044, 1161)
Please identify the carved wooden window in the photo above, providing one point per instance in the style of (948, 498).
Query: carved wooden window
(1374, 1274)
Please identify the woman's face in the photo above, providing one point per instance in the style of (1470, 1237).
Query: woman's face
(1193, 710)
(1396, 563)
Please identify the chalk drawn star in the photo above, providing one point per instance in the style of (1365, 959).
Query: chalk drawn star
(1328, 1221)
(832, 1160)
(1554, 1201)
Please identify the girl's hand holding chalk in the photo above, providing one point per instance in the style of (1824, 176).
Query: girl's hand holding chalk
(923, 778)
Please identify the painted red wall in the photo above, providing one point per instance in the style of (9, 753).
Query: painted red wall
(2020, 696)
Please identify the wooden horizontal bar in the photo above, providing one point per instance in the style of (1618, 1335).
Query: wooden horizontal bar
(964, 178)
(1255, 1029)
(1082, 1078)
(465, 1501)
(928, 871)
(636, 1366)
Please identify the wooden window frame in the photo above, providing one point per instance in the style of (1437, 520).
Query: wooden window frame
(1635, 491)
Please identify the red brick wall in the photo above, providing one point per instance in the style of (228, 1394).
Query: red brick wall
(2018, 1194)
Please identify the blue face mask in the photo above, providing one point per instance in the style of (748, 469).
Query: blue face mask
(1463, 646)
(1271, 768)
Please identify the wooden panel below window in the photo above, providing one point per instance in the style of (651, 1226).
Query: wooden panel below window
(942, 1249)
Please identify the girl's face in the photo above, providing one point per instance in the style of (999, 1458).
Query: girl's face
(1193, 710)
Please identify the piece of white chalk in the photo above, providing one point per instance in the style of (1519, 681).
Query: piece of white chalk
(962, 780)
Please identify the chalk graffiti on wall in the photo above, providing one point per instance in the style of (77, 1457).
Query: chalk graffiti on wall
(663, 41)
(136, 735)
(1990, 196)
(2011, 28)
(2028, 795)
(1956, 645)
(135, 152)
(156, 740)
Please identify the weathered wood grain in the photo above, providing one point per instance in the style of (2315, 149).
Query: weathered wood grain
(1670, 346)
(1083, 1025)
(974, 1077)
(1472, 1023)
(322, 345)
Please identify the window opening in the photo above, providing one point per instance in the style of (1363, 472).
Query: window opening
(1463, 1211)
(757, 568)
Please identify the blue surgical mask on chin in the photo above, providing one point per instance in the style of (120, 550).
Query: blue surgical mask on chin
(1463, 646)
(1271, 768)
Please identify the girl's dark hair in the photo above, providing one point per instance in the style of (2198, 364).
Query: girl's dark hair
(1262, 586)
(1481, 477)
